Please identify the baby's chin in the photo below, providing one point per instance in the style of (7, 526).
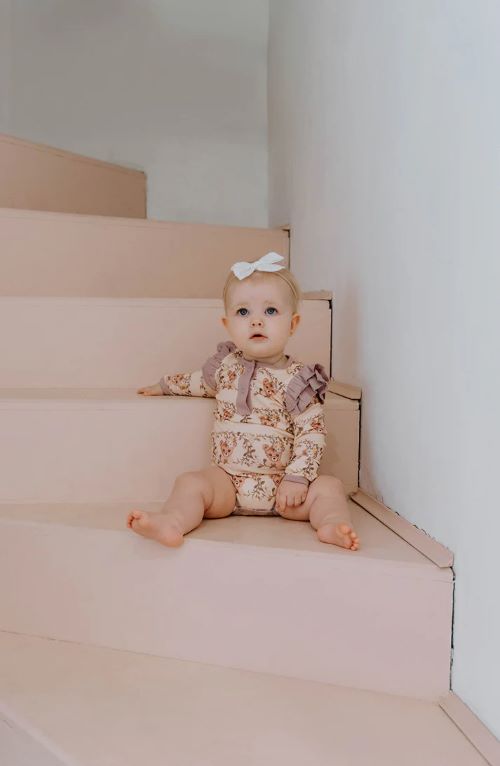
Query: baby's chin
(261, 348)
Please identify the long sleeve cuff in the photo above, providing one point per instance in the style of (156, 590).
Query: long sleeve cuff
(294, 477)
(164, 387)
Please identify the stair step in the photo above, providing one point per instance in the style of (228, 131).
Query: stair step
(97, 707)
(113, 444)
(252, 593)
(126, 342)
(39, 177)
(57, 254)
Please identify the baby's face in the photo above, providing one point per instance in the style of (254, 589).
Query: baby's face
(259, 317)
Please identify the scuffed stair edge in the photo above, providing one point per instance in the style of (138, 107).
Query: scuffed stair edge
(472, 727)
(436, 552)
(32, 739)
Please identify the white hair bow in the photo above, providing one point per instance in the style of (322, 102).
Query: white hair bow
(268, 262)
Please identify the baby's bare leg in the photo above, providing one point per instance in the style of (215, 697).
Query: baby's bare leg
(329, 513)
(326, 508)
(208, 493)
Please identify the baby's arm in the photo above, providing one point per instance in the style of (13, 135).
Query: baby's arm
(309, 444)
(180, 384)
(199, 383)
(308, 448)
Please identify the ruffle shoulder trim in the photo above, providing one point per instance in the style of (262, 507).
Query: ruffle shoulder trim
(213, 363)
(310, 382)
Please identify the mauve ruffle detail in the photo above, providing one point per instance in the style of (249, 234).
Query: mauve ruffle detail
(212, 365)
(310, 381)
(244, 396)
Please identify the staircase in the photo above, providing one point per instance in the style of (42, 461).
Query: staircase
(253, 643)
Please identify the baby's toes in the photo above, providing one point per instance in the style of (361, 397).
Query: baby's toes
(354, 541)
(344, 531)
(134, 516)
(349, 536)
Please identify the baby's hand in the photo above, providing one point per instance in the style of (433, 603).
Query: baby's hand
(151, 390)
(290, 494)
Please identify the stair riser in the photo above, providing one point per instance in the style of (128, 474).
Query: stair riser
(235, 606)
(46, 254)
(126, 343)
(37, 177)
(91, 451)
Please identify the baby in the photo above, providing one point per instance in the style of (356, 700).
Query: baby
(269, 432)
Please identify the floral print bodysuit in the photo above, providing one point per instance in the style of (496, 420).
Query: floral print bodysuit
(268, 424)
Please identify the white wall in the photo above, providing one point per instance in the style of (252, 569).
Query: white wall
(177, 87)
(5, 15)
(385, 158)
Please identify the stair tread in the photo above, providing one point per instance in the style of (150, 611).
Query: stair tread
(114, 220)
(145, 709)
(313, 299)
(380, 547)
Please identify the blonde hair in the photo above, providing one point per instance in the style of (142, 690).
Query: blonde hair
(284, 274)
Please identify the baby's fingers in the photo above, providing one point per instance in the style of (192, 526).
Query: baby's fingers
(280, 500)
(301, 497)
(148, 390)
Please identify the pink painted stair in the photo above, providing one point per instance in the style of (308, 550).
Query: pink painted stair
(242, 592)
(39, 177)
(68, 704)
(113, 444)
(92, 308)
(126, 342)
(50, 254)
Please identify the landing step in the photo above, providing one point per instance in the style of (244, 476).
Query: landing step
(97, 707)
(259, 594)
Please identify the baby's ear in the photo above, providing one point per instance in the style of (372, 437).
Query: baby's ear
(224, 321)
(294, 323)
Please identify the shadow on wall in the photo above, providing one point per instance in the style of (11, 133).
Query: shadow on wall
(345, 336)
(346, 368)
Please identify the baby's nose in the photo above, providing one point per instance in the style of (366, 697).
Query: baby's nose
(256, 322)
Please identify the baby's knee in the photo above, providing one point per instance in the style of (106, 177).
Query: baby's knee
(329, 485)
(191, 480)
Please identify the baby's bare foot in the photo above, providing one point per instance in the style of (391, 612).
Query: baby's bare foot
(157, 526)
(339, 533)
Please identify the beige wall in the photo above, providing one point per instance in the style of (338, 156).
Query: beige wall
(385, 158)
(174, 87)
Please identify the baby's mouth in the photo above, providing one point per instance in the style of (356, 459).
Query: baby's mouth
(258, 336)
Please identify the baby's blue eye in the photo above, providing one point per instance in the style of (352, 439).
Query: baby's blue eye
(271, 311)
(242, 312)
